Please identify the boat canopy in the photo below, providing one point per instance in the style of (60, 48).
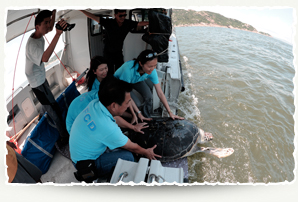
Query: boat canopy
(17, 21)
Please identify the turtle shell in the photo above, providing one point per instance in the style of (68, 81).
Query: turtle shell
(174, 138)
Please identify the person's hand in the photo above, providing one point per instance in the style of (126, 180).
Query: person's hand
(175, 116)
(150, 153)
(138, 127)
(142, 118)
(134, 119)
(63, 24)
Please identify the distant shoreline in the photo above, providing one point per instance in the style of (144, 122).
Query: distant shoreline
(215, 25)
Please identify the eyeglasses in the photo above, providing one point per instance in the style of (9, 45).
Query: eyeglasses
(124, 15)
(151, 55)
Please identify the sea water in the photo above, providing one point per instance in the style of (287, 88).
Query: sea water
(239, 86)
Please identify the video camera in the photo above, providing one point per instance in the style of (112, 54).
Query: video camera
(67, 28)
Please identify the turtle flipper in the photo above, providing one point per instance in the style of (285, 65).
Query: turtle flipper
(218, 152)
(204, 136)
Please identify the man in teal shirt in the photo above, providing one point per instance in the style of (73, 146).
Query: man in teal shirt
(81, 102)
(94, 130)
(77, 106)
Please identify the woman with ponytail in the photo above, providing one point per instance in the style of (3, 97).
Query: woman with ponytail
(136, 71)
(97, 72)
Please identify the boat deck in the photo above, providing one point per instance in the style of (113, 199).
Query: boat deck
(60, 171)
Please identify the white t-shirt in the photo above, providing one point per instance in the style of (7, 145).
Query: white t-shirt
(34, 69)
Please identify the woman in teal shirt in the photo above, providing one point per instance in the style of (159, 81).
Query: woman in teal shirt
(97, 72)
(136, 72)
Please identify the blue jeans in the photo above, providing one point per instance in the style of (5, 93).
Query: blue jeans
(107, 161)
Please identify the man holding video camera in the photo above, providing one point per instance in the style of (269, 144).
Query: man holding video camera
(35, 69)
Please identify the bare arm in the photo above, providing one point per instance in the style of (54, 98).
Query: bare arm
(139, 112)
(143, 23)
(53, 19)
(135, 148)
(47, 54)
(91, 16)
(124, 124)
(134, 117)
(134, 106)
(164, 101)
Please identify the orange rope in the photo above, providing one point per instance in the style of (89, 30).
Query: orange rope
(60, 61)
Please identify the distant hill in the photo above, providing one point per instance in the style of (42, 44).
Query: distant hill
(181, 18)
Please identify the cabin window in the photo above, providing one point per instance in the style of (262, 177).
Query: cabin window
(95, 28)
(34, 98)
(16, 110)
(139, 15)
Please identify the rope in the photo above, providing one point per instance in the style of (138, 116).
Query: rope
(160, 33)
(60, 60)
(16, 137)
(162, 52)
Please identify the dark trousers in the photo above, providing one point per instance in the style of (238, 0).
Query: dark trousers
(49, 104)
(146, 92)
(104, 165)
(114, 61)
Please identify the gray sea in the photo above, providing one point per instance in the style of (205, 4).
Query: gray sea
(239, 86)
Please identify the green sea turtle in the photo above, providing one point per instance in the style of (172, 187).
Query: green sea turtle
(175, 139)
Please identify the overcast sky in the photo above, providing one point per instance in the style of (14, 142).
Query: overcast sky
(277, 21)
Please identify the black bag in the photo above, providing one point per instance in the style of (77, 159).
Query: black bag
(160, 26)
(86, 171)
(159, 23)
(159, 45)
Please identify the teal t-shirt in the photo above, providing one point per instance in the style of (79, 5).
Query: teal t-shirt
(93, 131)
(95, 85)
(77, 106)
(130, 74)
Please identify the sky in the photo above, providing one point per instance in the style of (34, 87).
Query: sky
(276, 21)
